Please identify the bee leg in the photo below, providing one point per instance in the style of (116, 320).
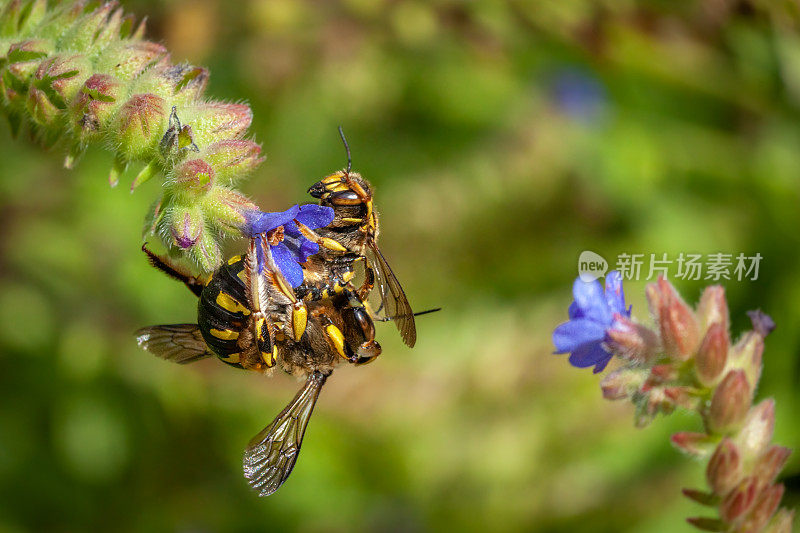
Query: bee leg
(166, 266)
(369, 283)
(324, 242)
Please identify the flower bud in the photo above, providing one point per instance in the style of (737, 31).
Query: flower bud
(661, 374)
(216, 121)
(756, 433)
(622, 383)
(683, 397)
(95, 104)
(771, 463)
(781, 522)
(704, 523)
(110, 30)
(182, 84)
(22, 60)
(186, 226)
(55, 83)
(81, 35)
(206, 252)
(767, 503)
(233, 158)
(712, 355)
(713, 308)
(679, 329)
(724, 470)
(127, 60)
(730, 403)
(140, 124)
(739, 501)
(708, 499)
(225, 208)
(747, 354)
(193, 177)
(695, 444)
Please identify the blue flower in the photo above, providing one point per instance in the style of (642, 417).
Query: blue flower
(288, 246)
(591, 315)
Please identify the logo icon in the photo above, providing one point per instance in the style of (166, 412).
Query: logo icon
(591, 266)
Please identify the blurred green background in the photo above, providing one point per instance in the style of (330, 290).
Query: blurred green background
(503, 138)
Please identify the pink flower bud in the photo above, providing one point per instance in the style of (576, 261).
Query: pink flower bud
(724, 470)
(661, 374)
(756, 433)
(128, 59)
(712, 355)
(95, 104)
(186, 226)
(55, 83)
(704, 523)
(771, 463)
(233, 158)
(140, 124)
(767, 503)
(679, 329)
(695, 444)
(184, 84)
(622, 383)
(216, 121)
(22, 60)
(713, 308)
(632, 341)
(682, 396)
(730, 403)
(194, 176)
(781, 522)
(747, 354)
(226, 208)
(739, 501)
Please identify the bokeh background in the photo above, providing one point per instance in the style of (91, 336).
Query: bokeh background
(503, 138)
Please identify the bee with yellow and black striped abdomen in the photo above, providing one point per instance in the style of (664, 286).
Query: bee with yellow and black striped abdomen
(351, 237)
(249, 317)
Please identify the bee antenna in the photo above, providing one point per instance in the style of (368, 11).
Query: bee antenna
(347, 148)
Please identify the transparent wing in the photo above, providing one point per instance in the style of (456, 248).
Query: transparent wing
(393, 298)
(179, 343)
(271, 455)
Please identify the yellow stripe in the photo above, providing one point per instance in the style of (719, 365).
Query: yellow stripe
(353, 220)
(225, 334)
(227, 302)
(337, 339)
(235, 259)
(347, 276)
(231, 358)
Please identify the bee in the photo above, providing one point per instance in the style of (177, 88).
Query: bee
(249, 317)
(353, 237)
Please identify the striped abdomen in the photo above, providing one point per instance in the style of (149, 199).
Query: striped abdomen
(222, 311)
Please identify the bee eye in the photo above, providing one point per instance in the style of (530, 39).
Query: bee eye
(344, 198)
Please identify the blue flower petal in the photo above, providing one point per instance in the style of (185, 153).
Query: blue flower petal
(307, 249)
(615, 297)
(315, 216)
(574, 311)
(262, 222)
(312, 215)
(286, 261)
(591, 301)
(590, 355)
(573, 334)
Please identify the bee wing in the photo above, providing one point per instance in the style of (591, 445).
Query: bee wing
(271, 455)
(393, 298)
(179, 343)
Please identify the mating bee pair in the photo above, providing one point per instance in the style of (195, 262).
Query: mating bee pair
(250, 316)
